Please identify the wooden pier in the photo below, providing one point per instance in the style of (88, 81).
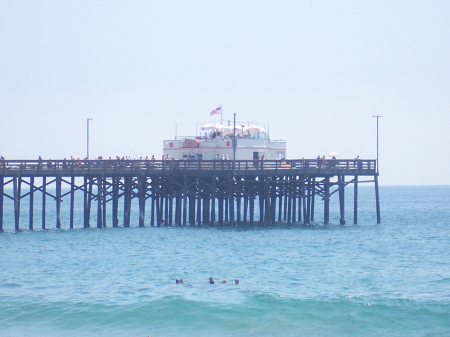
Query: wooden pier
(182, 192)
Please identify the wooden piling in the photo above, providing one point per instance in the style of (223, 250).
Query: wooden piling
(294, 202)
(44, 194)
(99, 202)
(2, 183)
(58, 201)
(31, 205)
(104, 196)
(326, 201)
(312, 182)
(355, 200)
(72, 201)
(341, 189)
(127, 201)
(17, 183)
(377, 199)
(142, 187)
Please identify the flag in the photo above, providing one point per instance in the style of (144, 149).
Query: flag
(216, 111)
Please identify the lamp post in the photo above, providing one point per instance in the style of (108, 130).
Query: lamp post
(377, 117)
(87, 136)
(234, 139)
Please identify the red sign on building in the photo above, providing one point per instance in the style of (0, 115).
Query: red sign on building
(191, 143)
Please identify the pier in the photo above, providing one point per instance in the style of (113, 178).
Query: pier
(181, 192)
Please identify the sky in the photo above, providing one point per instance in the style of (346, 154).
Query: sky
(315, 71)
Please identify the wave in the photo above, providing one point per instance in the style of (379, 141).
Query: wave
(257, 315)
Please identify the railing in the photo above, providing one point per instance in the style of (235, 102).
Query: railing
(81, 167)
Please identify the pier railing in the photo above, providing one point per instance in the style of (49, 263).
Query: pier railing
(113, 166)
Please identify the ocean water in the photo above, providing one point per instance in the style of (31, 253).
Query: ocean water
(391, 279)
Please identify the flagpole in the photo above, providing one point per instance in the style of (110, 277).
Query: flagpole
(221, 114)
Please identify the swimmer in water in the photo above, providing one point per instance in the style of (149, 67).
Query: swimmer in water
(236, 281)
(211, 280)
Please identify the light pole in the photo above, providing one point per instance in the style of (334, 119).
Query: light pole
(377, 117)
(234, 139)
(87, 136)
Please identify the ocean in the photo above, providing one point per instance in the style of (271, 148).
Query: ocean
(391, 279)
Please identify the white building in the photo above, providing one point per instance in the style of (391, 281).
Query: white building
(216, 142)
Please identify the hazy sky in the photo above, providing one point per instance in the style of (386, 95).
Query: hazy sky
(317, 71)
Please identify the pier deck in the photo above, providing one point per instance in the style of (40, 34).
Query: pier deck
(185, 192)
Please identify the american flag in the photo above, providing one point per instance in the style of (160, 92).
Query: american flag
(216, 111)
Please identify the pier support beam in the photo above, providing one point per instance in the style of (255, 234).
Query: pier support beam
(105, 193)
(231, 200)
(213, 201)
(142, 185)
(238, 205)
(99, 201)
(152, 211)
(289, 200)
(377, 197)
(72, 201)
(267, 208)
(326, 201)
(87, 203)
(185, 201)
(127, 201)
(355, 200)
(341, 186)
(312, 183)
(17, 182)
(58, 201)
(44, 194)
(115, 201)
(2, 182)
(252, 209)
(294, 200)
(31, 206)
(305, 200)
(192, 200)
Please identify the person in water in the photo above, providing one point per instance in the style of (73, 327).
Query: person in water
(211, 280)
(236, 281)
